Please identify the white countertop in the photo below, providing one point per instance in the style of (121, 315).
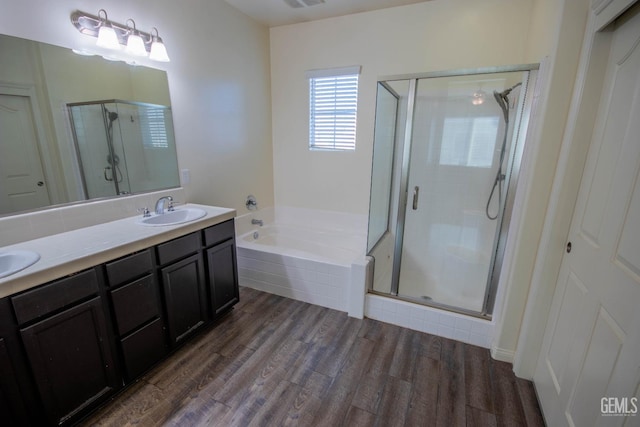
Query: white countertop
(73, 251)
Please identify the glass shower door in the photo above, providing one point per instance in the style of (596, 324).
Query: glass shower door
(456, 157)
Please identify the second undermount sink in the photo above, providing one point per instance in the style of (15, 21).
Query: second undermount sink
(173, 217)
(14, 261)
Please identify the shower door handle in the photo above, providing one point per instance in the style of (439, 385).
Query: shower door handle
(107, 169)
(416, 193)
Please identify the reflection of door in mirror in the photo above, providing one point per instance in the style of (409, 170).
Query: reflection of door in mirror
(22, 184)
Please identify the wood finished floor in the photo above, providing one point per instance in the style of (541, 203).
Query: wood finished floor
(274, 361)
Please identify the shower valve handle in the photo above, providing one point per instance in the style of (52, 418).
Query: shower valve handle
(416, 193)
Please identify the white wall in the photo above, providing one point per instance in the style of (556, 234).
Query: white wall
(218, 78)
(556, 31)
(434, 35)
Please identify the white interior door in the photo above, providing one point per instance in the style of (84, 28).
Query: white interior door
(22, 184)
(591, 347)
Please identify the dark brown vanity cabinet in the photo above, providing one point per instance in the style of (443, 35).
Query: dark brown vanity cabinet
(222, 275)
(68, 347)
(139, 327)
(16, 401)
(182, 275)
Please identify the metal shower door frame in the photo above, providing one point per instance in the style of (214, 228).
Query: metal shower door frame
(505, 217)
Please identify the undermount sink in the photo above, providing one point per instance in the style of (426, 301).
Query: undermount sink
(17, 260)
(173, 217)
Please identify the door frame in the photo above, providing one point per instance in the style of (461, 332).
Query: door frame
(574, 148)
(48, 169)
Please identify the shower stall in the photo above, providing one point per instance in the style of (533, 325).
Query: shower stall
(123, 147)
(447, 151)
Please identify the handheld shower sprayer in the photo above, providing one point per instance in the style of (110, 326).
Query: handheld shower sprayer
(113, 116)
(112, 158)
(502, 98)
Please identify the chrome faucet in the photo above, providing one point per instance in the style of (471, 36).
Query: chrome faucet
(257, 222)
(161, 202)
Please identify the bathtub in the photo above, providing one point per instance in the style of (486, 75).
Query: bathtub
(309, 255)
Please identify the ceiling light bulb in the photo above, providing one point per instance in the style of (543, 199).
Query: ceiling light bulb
(108, 38)
(135, 46)
(158, 52)
(478, 97)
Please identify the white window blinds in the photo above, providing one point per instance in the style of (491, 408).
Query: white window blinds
(154, 131)
(333, 107)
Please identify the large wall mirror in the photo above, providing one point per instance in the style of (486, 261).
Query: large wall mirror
(75, 128)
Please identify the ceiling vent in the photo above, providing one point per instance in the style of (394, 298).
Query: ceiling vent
(303, 3)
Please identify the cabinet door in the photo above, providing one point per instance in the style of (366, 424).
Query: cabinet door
(71, 359)
(185, 297)
(223, 277)
(11, 405)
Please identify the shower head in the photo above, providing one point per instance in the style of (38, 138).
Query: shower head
(112, 116)
(503, 102)
(502, 98)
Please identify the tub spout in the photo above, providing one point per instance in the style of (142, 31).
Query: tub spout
(257, 222)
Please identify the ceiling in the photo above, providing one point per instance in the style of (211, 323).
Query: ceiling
(279, 12)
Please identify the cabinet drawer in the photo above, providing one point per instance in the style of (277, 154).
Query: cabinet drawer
(128, 268)
(219, 233)
(143, 348)
(54, 296)
(134, 304)
(178, 248)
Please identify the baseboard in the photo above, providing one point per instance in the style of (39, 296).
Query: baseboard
(502, 355)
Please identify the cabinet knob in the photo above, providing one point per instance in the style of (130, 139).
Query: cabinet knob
(40, 183)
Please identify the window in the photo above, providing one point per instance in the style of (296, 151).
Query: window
(333, 106)
(154, 131)
(469, 141)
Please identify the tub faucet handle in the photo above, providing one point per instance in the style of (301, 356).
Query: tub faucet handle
(251, 203)
(257, 222)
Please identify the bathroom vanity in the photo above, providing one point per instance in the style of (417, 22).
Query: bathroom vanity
(108, 312)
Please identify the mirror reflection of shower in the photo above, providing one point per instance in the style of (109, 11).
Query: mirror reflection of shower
(112, 171)
(123, 147)
(446, 158)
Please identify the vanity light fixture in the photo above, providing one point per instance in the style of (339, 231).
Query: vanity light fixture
(158, 51)
(114, 36)
(107, 36)
(135, 44)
